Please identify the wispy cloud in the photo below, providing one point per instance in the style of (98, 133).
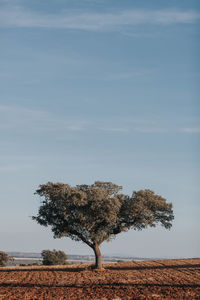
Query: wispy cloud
(127, 75)
(20, 120)
(10, 163)
(32, 163)
(191, 129)
(25, 120)
(114, 129)
(15, 167)
(19, 17)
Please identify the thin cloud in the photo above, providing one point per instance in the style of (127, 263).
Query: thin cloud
(19, 17)
(27, 120)
(191, 129)
(127, 75)
(12, 163)
(15, 167)
(134, 129)
(114, 129)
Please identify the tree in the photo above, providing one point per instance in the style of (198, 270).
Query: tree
(53, 257)
(4, 258)
(96, 213)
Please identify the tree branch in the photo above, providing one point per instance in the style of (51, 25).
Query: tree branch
(76, 233)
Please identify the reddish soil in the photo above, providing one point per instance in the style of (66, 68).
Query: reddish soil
(161, 279)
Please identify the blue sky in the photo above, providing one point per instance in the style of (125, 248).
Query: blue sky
(100, 90)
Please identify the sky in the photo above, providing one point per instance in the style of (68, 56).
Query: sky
(100, 90)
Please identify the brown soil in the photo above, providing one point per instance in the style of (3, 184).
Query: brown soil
(161, 279)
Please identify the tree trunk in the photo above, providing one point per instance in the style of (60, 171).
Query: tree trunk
(98, 257)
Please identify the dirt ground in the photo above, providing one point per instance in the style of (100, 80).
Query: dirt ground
(161, 279)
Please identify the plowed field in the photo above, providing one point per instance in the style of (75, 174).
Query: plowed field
(161, 279)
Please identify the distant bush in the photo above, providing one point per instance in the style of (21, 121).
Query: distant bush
(30, 265)
(4, 258)
(120, 260)
(53, 257)
(35, 264)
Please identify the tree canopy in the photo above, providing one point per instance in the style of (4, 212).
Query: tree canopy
(4, 258)
(53, 257)
(95, 213)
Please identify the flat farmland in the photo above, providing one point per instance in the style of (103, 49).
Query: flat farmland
(160, 279)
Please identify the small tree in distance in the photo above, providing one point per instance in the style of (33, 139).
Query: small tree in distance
(96, 213)
(53, 257)
(4, 258)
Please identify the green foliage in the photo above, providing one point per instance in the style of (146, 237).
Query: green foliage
(4, 258)
(95, 213)
(54, 257)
